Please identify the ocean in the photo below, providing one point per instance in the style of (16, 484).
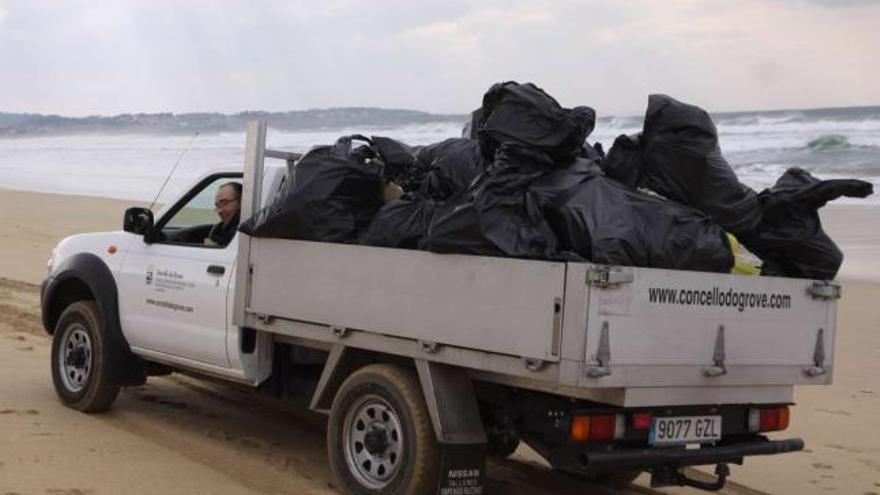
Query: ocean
(830, 143)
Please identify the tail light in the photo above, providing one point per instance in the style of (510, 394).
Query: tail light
(768, 419)
(642, 421)
(598, 428)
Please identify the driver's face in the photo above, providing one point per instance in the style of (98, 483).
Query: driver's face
(226, 203)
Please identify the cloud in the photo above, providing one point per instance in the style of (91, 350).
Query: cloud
(466, 30)
(845, 3)
(198, 55)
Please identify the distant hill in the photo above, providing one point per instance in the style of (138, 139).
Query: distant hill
(27, 124)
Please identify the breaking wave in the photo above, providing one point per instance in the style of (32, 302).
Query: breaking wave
(829, 142)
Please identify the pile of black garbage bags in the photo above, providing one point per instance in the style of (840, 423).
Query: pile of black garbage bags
(525, 182)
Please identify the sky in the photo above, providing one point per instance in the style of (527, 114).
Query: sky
(91, 57)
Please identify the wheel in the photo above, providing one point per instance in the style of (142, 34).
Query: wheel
(80, 359)
(380, 439)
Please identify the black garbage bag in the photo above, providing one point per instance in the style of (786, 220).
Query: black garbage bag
(450, 166)
(497, 215)
(680, 159)
(265, 216)
(398, 158)
(585, 119)
(526, 115)
(790, 239)
(332, 196)
(593, 151)
(607, 222)
(622, 163)
(548, 186)
(401, 224)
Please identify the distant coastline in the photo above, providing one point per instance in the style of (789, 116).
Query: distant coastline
(169, 124)
(35, 125)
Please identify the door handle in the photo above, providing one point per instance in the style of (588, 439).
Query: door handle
(216, 269)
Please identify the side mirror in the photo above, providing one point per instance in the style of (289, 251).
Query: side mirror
(138, 220)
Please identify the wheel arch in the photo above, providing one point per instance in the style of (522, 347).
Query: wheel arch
(448, 392)
(85, 276)
(341, 362)
(59, 295)
(81, 277)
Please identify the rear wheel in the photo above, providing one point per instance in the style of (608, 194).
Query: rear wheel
(380, 439)
(80, 359)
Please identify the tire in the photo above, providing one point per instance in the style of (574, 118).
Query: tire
(81, 370)
(380, 439)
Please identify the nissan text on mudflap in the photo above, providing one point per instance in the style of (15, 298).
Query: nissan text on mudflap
(426, 363)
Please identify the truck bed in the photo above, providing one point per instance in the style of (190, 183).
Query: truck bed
(621, 335)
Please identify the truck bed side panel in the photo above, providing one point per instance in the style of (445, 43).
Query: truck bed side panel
(508, 306)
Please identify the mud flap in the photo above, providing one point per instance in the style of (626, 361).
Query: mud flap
(452, 405)
(463, 469)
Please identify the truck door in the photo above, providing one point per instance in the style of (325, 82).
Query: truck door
(173, 285)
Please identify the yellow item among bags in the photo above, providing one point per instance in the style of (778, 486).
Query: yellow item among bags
(745, 263)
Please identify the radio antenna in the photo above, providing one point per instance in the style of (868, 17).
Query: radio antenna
(179, 158)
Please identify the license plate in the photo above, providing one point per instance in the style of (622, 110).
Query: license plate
(685, 429)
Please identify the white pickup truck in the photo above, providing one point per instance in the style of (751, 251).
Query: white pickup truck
(427, 362)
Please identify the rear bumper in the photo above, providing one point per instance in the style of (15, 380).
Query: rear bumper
(647, 458)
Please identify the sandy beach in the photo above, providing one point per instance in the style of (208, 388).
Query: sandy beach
(179, 435)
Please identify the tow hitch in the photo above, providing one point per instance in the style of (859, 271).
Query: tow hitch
(672, 476)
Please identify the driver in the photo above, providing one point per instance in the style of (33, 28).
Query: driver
(227, 203)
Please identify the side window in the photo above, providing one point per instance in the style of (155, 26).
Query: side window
(209, 218)
(199, 210)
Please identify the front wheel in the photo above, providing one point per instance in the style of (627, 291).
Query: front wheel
(380, 439)
(80, 359)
